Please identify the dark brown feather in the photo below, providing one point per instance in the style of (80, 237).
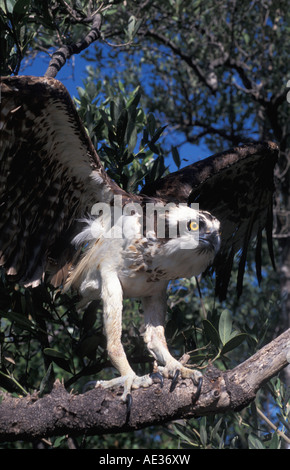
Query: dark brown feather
(236, 186)
(50, 176)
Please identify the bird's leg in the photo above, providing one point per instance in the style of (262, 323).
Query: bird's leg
(112, 313)
(154, 316)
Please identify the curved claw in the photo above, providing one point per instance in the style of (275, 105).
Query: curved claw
(129, 401)
(157, 375)
(174, 381)
(198, 390)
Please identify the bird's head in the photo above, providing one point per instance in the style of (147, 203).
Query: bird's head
(192, 228)
(192, 239)
(209, 232)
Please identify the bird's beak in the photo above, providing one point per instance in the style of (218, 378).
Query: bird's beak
(211, 239)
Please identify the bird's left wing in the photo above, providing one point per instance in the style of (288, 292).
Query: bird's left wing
(50, 176)
(236, 186)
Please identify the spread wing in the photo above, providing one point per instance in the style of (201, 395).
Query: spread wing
(236, 186)
(50, 177)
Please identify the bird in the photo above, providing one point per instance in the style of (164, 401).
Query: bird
(63, 215)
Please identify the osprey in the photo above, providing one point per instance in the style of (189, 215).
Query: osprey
(56, 199)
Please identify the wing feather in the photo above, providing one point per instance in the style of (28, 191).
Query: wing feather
(50, 176)
(236, 186)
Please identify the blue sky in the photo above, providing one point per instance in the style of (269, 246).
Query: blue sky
(71, 75)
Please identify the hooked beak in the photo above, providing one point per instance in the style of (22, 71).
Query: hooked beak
(210, 240)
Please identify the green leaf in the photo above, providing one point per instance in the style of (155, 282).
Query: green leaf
(225, 326)
(184, 433)
(255, 442)
(46, 380)
(274, 442)
(246, 38)
(145, 137)
(203, 432)
(107, 120)
(134, 99)
(234, 342)
(20, 320)
(53, 353)
(121, 86)
(158, 167)
(117, 105)
(175, 156)
(215, 430)
(88, 345)
(211, 333)
(58, 358)
(10, 5)
(157, 134)
(153, 148)
(132, 140)
(110, 152)
(131, 26)
(151, 124)
(58, 441)
(122, 126)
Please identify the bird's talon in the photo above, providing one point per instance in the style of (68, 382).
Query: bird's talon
(198, 390)
(157, 375)
(128, 400)
(174, 380)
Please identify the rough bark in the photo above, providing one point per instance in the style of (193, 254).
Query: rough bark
(60, 57)
(101, 411)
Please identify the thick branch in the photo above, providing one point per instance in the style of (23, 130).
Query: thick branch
(101, 411)
(60, 57)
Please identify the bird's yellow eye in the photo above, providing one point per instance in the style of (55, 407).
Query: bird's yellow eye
(193, 226)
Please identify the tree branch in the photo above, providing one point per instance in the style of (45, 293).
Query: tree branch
(60, 57)
(101, 411)
(188, 59)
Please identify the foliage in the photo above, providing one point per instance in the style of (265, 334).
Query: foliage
(207, 68)
(187, 65)
(125, 137)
